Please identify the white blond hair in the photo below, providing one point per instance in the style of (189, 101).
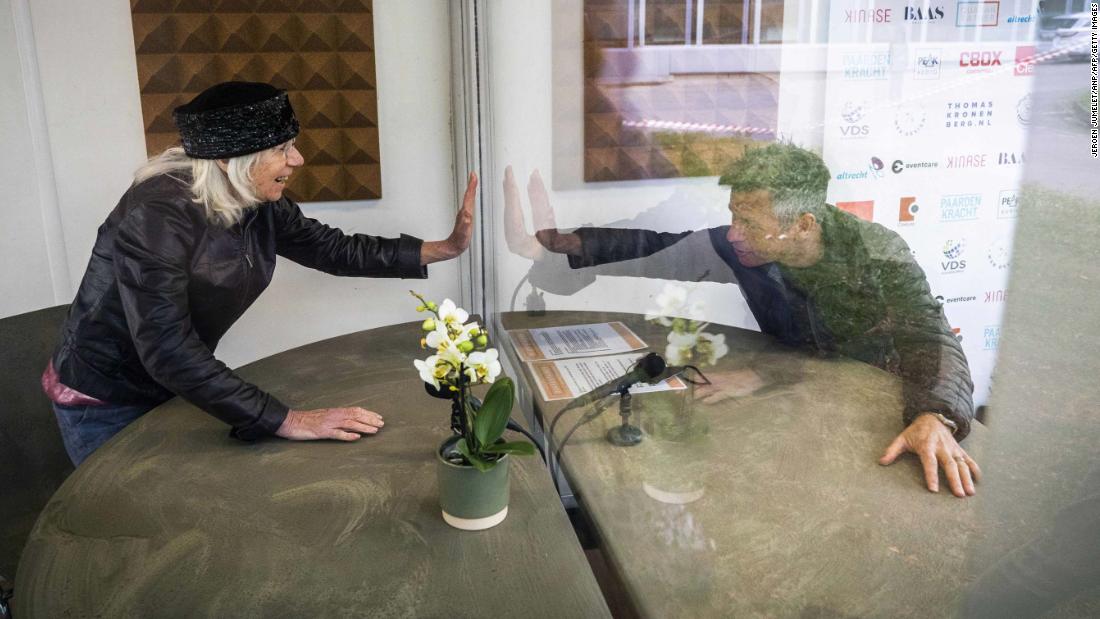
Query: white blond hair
(224, 195)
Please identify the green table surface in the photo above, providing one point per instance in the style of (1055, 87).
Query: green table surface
(172, 518)
(792, 516)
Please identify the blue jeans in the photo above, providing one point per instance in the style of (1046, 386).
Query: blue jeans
(85, 428)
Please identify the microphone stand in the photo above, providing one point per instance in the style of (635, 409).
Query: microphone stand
(625, 434)
(632, 435)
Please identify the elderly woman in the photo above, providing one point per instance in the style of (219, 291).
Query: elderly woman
(187, 250)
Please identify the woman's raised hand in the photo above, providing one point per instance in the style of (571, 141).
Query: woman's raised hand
(463, 232)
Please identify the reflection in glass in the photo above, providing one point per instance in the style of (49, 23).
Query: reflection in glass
(825, 209)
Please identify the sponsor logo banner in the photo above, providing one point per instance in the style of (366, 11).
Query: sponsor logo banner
(1000, 254)
(995, 296)
(868, 16)
(1007, 202)
(850, 175)
(981, 14)
(966, 160)
(874, 170)
(1010, 158)
(900, 166)
(909, 119)
(968, 114)
(1025, 60)
(954, 260)
(923, 13)
(926, 64)
(1023, 110)
(876, 167)
(853, 124)
(907, 210)
(953, 300)
(864, 209)
(862, 66)
(960, 207)
(991, 337)
(984, 61)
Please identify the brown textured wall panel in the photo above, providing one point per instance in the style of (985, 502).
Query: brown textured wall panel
(320, 51)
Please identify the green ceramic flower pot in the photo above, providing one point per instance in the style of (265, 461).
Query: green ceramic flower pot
(471, 500)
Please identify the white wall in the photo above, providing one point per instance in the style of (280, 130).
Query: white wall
(25, 280)
(92, 134)
(89, 85)
(537, 105)
(413, 59)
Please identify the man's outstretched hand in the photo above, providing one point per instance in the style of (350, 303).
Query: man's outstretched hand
(518, 240)
(932, 441)
(547, 236)
(546, 226)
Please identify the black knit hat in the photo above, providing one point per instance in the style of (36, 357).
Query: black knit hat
(233, 119)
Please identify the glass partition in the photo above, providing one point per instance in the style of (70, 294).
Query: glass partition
(814, 213)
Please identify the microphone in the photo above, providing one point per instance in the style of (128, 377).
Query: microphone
(645, 370)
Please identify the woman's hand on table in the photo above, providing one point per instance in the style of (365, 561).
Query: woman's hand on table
(932, 441)
(342, 424)
(463, 232)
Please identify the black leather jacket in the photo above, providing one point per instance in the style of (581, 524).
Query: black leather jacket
(164, 284)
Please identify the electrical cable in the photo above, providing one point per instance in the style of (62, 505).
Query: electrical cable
(600, 407)
(514, 426)
(515, 293)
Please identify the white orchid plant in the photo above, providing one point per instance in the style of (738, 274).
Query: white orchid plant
(462, 359)
(689, 344)
(688, 341)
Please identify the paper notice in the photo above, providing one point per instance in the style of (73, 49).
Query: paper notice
(551, 343)
(570, 378)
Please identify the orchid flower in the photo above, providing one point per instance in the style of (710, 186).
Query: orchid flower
(427, 369)
(462, 359)
(669, 303)
(712, 347)
(451, 314)
(483, 366)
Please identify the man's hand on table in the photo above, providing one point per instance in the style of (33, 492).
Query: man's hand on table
(730, 384)
(342, 424)
(930, 439)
